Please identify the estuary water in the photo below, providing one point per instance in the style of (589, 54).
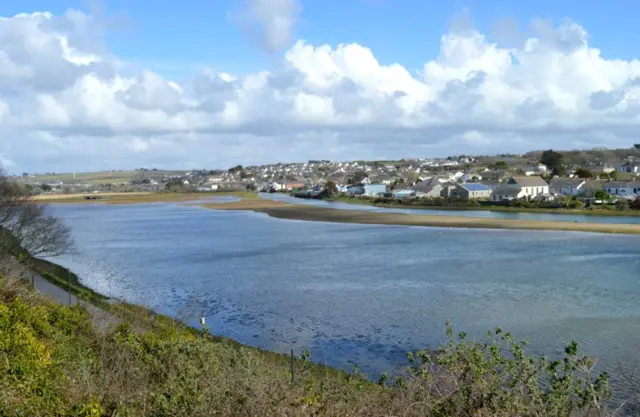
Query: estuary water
(362, 294)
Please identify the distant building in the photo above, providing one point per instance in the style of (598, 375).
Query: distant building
(470, 191)
(520, 187)
(622, 188)
(429, 189)
(566, 186)
(406, 193)
(375, 189)
(629, 167)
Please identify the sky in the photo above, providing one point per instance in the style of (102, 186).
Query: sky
(114, 84)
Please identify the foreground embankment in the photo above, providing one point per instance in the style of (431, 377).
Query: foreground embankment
(299, 212)
(56, 363)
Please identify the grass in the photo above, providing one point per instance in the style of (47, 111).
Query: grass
(88, 177)
(53, 363)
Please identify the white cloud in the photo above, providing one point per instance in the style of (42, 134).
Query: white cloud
(271, 23)
(64, 97)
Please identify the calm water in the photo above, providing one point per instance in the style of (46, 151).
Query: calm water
(362, 293)
(465, 213)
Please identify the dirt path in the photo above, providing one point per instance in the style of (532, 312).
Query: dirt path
(101, 319)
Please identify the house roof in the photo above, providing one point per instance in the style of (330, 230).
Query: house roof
(621, 184)
(533, 181)
(507, 191)
(471, 186)
(567, 183)
(425, 187)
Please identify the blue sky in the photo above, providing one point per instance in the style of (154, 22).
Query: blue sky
(178, 37)
(179, 84)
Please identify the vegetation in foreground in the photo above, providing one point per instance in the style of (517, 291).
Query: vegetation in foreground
(53, 363)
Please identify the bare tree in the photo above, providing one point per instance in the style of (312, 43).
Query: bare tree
(26, 228)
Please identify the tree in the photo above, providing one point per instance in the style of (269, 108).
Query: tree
(552, 159)
(26, 227)
(622, 205)
(45, 187)
(251, 187)
(235, 169)
(331, 187)
(501, 165)
(602, 195)
(583, 173)
(613, 175)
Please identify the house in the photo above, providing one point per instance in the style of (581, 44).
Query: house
(548, 197)
(470, 191)
(375, 189)
(622, 188)
(402, 194)
(492, 185)
(506, 194)
(566, 186)
(428, 189)
(520, 187)
(629, 167)
(355, 189)
(530, 186)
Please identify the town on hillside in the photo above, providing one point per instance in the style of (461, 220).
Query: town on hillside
(545, 177)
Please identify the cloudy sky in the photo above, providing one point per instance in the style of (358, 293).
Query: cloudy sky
(210, 84)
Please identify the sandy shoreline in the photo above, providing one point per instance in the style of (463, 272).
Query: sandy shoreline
(319, 214)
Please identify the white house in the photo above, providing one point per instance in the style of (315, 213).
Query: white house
(520, 187)
(622, 188)
(565, 186)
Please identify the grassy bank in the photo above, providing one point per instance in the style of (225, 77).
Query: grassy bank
(53, 363)
(417, 205)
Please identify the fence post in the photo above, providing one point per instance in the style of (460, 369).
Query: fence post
(293, 369)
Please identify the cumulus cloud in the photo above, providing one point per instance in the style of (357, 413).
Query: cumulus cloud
(271, 23)
(65, 101)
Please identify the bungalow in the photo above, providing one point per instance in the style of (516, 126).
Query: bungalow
(470, 191)
(622, 188)
(565, 186)
(428, 189)
(520, 187)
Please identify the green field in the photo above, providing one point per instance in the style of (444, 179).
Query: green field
(102, 177)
